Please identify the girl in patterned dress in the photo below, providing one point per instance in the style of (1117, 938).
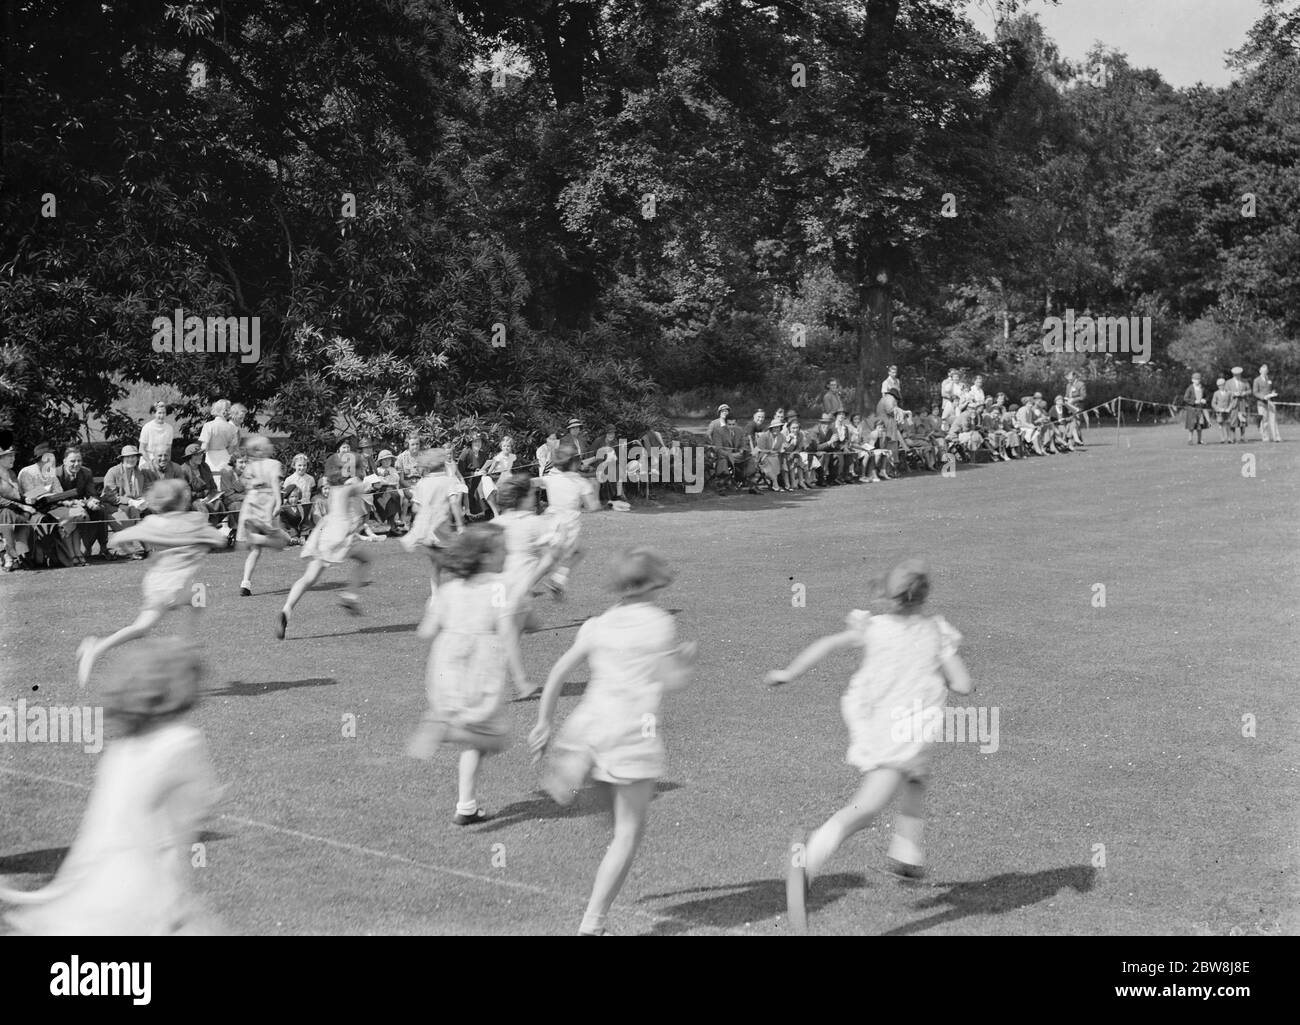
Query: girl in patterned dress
(333, 542)
(260, 509)
(613, 734)
(178, 539)
(468, 621)
(909, 659)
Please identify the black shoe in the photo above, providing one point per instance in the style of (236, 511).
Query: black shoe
(245, 592)
(469, 820)
(904, 870)
(281, 624)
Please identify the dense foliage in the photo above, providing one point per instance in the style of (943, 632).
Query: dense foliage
(506, 212)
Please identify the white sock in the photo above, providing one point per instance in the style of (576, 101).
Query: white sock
(246, 583)
(906, 845)
(467, 807)
(592, 923)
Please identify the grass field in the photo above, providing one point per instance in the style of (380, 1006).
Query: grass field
(1120, 726)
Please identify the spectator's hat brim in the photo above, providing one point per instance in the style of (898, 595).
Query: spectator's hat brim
(127, 450)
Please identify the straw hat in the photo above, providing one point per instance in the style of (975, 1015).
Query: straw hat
(192, 448)
(1237, 370)
(640, 571)
(127, 450)
(385, 454)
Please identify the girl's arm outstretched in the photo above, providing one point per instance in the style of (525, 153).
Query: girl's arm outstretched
(569, 661)
(813, 654)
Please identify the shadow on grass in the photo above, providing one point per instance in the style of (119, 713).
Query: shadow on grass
(395, 628)
(765, 898)
(333, 585)
(996, 895)
(571, 689)
(745, 902)
(47, 860)
(240, 689)
(592, 800)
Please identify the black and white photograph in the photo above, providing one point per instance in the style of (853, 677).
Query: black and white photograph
(719, 468)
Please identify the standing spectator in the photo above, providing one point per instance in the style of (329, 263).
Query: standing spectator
(1239, 412)
(156, 435)
(1076, 396)
(125, 486)
(1221, 403)
(1265, 407)
(950, 392)
(832, 402)
(219, 438)
(73, 476)
(238, 414)
(1194, 410)
(891, 385)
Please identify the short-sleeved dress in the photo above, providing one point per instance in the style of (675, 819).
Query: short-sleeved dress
(332, 538)
(894, 692)
(261, 497)
(128, 872)
(614, 735)
(565, 494)
(467, 674)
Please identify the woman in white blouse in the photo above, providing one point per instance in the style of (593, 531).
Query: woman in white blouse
(219, 437)
(156, 436)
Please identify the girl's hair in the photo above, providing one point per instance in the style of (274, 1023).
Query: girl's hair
(160, 681)
(907, 585)
(471, 549)
(220, 406)
(511, 490)
(302, 456)
(566, 456)
(259, 447)
(168, 496)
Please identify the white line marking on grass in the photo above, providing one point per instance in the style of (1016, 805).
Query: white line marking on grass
(384, 855)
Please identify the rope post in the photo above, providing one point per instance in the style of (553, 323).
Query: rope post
(1119, 415)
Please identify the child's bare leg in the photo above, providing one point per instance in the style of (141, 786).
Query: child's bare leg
(908, 824)
(467, 775)
(357, 578)
(91, 648)
(878, 786)
(313, 573)
(249, 563)
(631, 803)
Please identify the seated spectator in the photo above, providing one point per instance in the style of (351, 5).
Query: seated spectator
(608, 470)
(165, 469)
(125, 487)
(342, 464)
(205, 495)
(917, 441)
(795, 455)
(384, 486)
(1062, 422)
(768, 444)
(92, 530)
(54, 527)
(408, 474)
(995, 438)
(16, 516)
(1028, 425)
(546, 452)
(233, 491)
(874, 456)
(296, 493)
(731, 456)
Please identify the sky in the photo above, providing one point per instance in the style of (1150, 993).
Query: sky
(1185, 40)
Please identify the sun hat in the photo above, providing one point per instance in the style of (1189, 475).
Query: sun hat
(1237, 370)
(129, 450)
(640, 571)
(827, 418)
(192, 448)
(385, 454)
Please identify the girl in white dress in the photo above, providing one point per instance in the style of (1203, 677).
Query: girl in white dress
(178, 540)
(128, 871)
(260, 511)
(568, 492)
(613, 736)
(468, 621)
(527, 537)
(219, 437)
(908, 657)
(333, 542)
